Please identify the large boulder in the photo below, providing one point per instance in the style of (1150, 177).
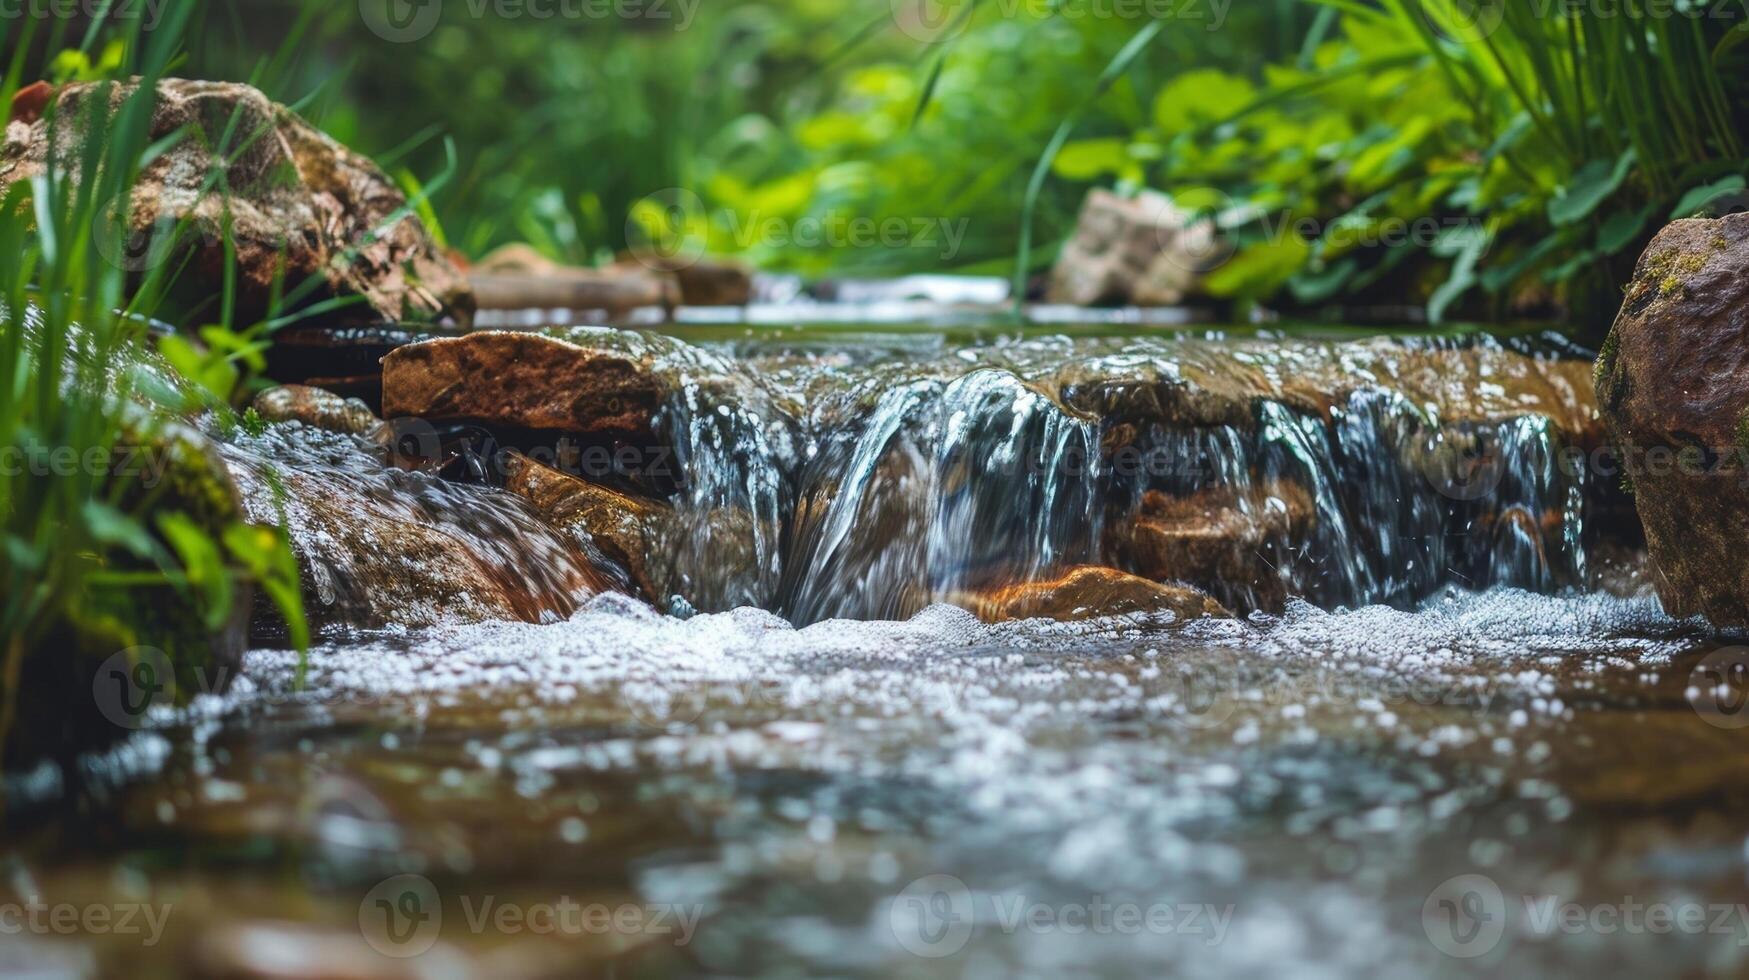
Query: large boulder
(293, 198)
(1673, 384)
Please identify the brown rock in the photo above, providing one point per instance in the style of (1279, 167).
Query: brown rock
(28, 102)
(1224, 539)
(1090, 592)
(518, 277)
(703, 282)
(378, 547)
(317, 407)
(297, 201)
(1673, 384)
(528, 381)
(624, 529)
(1142, 250)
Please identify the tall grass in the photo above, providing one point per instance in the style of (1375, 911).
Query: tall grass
(1611, 119)
(97, 558)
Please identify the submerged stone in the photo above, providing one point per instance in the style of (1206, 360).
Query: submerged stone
(1090, 592)
(626, 530)
(1229, 540)
(379, 547)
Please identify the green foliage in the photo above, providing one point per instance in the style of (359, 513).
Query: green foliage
(99, 552)
(1527, 149)
(1374, 130)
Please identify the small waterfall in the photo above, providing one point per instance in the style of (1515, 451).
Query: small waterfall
(947, 486)
(382, 546)
(871, 483)
(1398, 505)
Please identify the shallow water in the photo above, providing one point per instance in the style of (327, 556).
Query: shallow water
(1456, 782)
(941, 797)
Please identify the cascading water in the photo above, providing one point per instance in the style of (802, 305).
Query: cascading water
(975, 482)
(382, 546)
(868, 483)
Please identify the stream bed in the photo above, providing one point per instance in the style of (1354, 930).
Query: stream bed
(1420, 775)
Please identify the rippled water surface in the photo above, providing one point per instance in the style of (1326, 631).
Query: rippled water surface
(1280, 795)
(1443, 785)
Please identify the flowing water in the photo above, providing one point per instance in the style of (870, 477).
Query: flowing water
(1434, 746)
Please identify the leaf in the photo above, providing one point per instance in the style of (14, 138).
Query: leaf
(1699, 197)
(1621, 229)
(267, 556)
(1198, 98)
(112, 527)
(1590, 187)
(1733, 38)
(1471, 245)
(1260, 269)
(203, 567)
(1316, 287)
(1091, 159)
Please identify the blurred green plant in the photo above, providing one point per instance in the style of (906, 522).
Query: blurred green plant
(1444, 150)
(104, 556)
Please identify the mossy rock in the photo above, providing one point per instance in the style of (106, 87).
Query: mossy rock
(114, 652)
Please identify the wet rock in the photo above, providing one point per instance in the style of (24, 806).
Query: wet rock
(1091, 592)
(1226, 539)
(1141, 251)
(296, 201)
(625, 530)
(378, 546)
(671, 558)
(522, 380)
(1217, 383)
(106, 660)
(317, 407)
(346, 360)
(1673, 383)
